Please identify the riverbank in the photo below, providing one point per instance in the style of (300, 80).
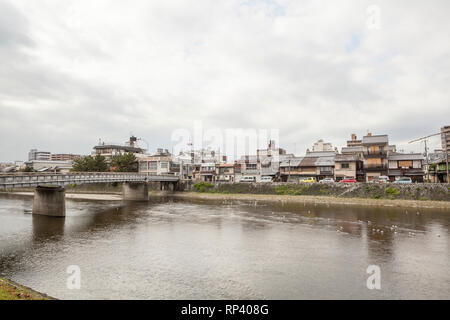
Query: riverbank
(267, 197)
(9, 290)
(316, 199)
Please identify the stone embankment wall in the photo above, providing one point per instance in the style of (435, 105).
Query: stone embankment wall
(414, 191)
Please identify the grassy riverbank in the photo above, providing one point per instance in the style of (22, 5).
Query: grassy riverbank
(10, 290)
(316, 199)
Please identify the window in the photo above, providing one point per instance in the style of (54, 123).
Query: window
(153, 165)
(345, 165)
(405, 164)
(143, 166)
(251, 166)
(164, 165)
(374, 161)
(374, 149)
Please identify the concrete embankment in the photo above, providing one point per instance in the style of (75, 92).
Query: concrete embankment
(405, 195)
(316, 199)
(391, 191)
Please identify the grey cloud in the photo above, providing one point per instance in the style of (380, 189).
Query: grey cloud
(151, 68)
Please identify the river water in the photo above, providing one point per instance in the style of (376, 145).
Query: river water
(179, 249)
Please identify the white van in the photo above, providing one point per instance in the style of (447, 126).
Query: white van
(266, 179)
(248, 179)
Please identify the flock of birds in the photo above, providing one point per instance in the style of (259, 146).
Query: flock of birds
(393, 228)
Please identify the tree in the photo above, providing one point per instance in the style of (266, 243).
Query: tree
(99, 164)
(90, 164)
(27, 169)
(126, 162)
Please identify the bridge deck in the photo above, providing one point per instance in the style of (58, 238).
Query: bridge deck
(23, 180)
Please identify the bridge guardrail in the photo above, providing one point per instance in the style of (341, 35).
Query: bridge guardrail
(34, 179)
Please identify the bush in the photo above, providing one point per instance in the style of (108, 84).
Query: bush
(391, 191)
(203, 187)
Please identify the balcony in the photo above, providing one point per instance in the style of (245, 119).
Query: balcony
(375, 154)
(250, 171)
(376, 167)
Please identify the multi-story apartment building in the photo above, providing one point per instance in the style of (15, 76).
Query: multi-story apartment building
(445, 138)
(64, 157)
(270, 159)
(320, 146)
(376, 150)
(157, 163)
(108, 150)
(35, 154)
(250, 166)
(348, 166)
(226, 172)
(208, 171)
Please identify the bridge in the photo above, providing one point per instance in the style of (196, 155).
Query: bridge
(49, 194)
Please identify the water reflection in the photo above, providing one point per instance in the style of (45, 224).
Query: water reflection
(172, 248)
(47, 228)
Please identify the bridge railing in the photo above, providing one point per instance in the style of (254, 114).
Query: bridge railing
(34, 179)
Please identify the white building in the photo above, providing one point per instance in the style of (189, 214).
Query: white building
(320, 146)
(35, 154)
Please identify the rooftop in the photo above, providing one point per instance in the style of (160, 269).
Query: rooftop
(345, 157)
(325, 161)
(352, 149)
(116, 146)
(406, 156)
(293, 162)
(320, 154)
(226, 165)
(375, 139)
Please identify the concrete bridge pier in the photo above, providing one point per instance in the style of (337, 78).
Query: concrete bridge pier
(135, 191)
(168, 185)
(49, 201)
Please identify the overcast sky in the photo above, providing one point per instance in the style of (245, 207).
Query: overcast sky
(72, 72)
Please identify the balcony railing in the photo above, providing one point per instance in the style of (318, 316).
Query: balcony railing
(375, 167)
(375, 154)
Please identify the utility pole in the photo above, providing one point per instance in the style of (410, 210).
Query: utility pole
(446, 155)
(289, 174)
(426, 159)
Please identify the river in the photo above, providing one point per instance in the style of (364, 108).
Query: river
(202, 249)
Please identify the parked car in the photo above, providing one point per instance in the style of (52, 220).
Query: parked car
(266, 179)
(380, 179)
(348, 180)
(248, 179)
(327, 180)
(308, 180)
(403, 180)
